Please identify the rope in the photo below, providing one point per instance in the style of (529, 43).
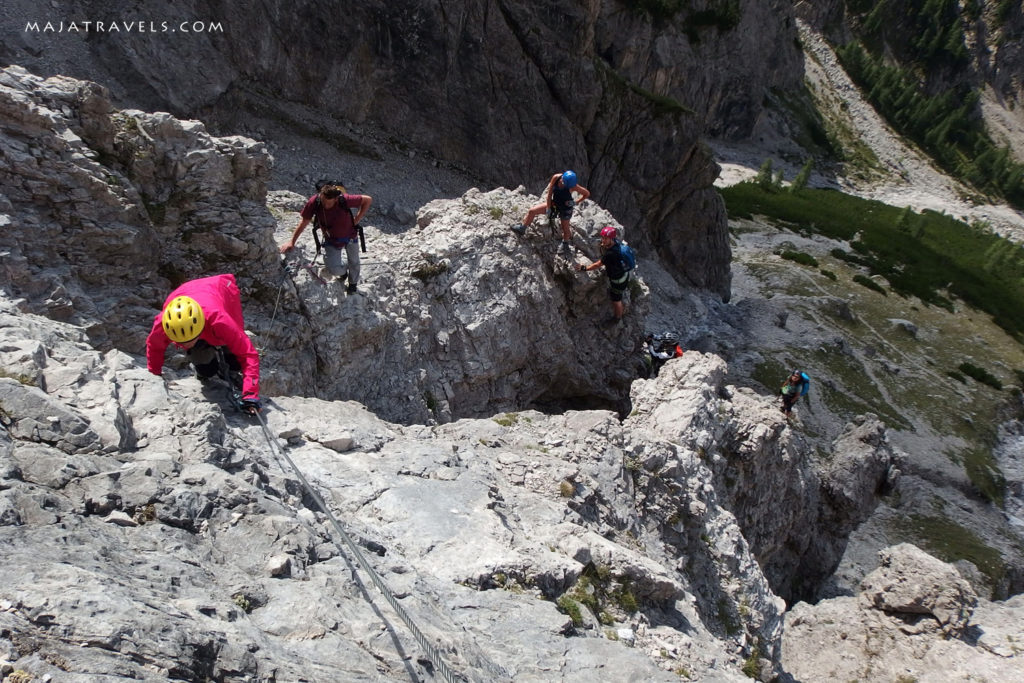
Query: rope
(290, 269)
(277, 301)
(432, 652)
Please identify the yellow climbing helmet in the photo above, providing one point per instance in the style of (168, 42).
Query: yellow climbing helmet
(183, 319)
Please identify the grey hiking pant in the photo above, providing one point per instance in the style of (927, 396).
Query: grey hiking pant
(337, 268)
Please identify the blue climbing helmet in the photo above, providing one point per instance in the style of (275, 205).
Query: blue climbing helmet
(569, 178)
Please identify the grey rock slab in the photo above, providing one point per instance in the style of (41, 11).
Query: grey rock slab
(36, 417)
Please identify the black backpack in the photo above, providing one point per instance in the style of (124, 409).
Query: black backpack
(317, 208)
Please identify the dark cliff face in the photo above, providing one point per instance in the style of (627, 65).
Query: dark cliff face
(619, 91)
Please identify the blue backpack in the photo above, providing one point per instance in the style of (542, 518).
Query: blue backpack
(628, 256)
(804, 384)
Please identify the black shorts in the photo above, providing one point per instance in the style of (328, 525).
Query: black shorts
(564, 213)
(617, 289)
(203, 357)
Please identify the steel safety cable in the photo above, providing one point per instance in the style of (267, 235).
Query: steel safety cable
(432, 652)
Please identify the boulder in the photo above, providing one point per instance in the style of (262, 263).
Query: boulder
(910, 581)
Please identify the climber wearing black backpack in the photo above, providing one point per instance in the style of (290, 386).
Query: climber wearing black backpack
(330, 211)
(658, 349)
(618, 261)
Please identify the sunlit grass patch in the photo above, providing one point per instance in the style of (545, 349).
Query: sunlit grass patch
(927, 255)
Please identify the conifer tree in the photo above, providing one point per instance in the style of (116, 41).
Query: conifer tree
(800, 181)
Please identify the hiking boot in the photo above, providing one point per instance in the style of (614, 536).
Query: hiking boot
(519, 229)
(566, 247)
(351, 289)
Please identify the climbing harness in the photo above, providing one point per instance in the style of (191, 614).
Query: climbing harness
(554, 222)
(433, 654)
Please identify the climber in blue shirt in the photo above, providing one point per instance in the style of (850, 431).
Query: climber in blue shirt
(795, 386)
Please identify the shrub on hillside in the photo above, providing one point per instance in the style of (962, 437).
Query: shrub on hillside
(800, 257)
(928, 255)
(870, 284)
(981, 374)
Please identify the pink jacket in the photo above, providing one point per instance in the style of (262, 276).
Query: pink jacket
(221, 302)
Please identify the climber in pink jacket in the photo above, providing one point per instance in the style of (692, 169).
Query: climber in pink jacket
(199, 316)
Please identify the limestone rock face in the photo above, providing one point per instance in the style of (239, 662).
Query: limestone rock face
(148, 527)
(462, 317)
(916, 617)
(104, 210)
(909, 581)
(759, 463)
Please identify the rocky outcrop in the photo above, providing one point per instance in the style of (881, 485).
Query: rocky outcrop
(151, 534)
(909, 581)
(915, 618)
(758, 463)
(151, 531)
(106, 210)
(461, 317)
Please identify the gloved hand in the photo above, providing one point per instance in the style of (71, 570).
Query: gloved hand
(249, 405)
(582, 268)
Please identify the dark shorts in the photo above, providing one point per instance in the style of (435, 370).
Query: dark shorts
(564, 213)
(616, 290)
(203, 357)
